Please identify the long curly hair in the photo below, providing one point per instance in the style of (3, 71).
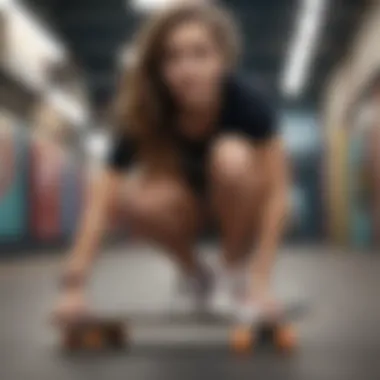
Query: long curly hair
(144, 107)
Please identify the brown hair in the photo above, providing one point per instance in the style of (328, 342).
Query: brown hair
(144, 106)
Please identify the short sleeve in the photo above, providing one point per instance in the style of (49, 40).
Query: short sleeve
(262, 122)
(249, 112)
(121, 154)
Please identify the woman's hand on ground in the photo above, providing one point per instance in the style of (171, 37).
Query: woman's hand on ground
(71, 306)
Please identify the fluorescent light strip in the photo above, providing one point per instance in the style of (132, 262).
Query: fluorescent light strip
(97, 145)
(67, 106)
(40, 31)
(5, 4)
(303, 48)
(30, 46)
(151, 5)
(156, 5)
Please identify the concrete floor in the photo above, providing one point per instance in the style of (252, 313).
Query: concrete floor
(339, 338)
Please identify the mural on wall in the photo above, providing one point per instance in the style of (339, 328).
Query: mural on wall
(8, 155)
(46, 174)
(45, 207)
(13, 172)
(42, 185)
(71, 195)
(362, 173)
(360, 229)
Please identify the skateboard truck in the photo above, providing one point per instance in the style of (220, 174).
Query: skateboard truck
(94, 334)
(279, 333)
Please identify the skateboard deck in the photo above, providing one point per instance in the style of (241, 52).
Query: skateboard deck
(113, 332)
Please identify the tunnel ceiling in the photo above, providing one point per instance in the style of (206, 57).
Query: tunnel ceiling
(95, 30)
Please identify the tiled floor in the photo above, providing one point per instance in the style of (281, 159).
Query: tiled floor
(339, 338)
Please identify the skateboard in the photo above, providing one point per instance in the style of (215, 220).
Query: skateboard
(97, 333)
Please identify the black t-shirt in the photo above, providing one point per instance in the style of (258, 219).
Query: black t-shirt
(244, 111)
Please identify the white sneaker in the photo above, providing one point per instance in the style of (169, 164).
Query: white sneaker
(248, 313)
(222, 301)
(228, 290)
(251, 312)
(193, 293)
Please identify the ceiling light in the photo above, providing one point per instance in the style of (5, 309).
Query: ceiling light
(154, 5)
(303, 48)
(28, 40)
(5, 4)
(151, 5)
(67, 106)
(97, 145)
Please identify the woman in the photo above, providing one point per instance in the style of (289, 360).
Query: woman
(205, 144)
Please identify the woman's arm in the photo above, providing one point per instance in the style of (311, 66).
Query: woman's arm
(92, 227)
(275, 169)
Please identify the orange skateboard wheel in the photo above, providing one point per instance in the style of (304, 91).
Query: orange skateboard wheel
(242, 340)
(285, 338)
(92, 339)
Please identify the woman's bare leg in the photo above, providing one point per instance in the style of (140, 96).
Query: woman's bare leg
(234, 193)
(163, 210)
(234, 186)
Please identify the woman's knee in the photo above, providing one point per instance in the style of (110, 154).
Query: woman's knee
(231, 161)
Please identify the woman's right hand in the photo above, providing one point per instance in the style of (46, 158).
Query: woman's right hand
(71, 306)
(72, 303)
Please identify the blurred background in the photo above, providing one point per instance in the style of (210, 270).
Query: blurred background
(60, 64)
(319, 62)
